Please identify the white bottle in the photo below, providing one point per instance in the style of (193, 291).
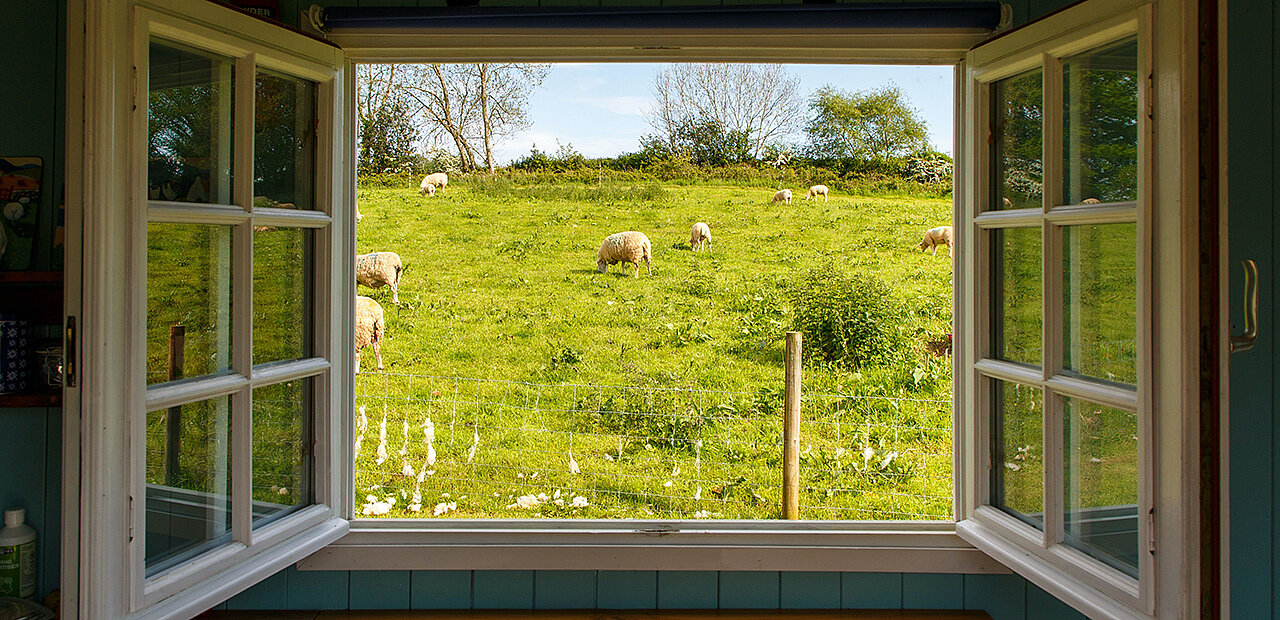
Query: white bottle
(17, 555)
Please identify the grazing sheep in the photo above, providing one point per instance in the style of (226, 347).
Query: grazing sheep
(935, 237)
(783, 195)
(431, 182)
(701, 235)
(815, 191)
(370, 328)
(625, 247)
(378, 268)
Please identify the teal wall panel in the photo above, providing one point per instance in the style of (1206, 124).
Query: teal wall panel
(270, 593)
(317, 589)
(749, 590)
(932, 591)
(871, 590)
(379, 589)
(502, 589)
(688, 590)
(1002, 596)
(1042, 606)
(619, 589)
(566, 589)
(810, 590)
(440, 589)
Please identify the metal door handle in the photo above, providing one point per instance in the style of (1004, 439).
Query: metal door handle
(1245, 341)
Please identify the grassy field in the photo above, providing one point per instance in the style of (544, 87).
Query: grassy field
(505, 333)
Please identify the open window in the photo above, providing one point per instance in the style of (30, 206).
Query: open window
(1075, 283)
(210, 428)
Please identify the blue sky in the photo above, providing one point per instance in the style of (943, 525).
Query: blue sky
(597, 107)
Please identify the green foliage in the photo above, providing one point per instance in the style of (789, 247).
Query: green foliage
(386, 140)
(869, 125)
(708, 142)
(564, 158)
(850, 319)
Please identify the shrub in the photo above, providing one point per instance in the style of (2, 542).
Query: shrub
(847, 319)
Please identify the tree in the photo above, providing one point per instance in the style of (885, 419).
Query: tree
(709, 143)
(474, 105)
(387, 132)
(869, 125)
(759, 103)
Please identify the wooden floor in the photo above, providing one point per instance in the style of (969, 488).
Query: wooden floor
(601, 615)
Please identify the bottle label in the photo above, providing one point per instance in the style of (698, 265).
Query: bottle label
(18, 570)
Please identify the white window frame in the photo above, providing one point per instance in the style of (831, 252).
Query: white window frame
(1165, 401)
(113, 398)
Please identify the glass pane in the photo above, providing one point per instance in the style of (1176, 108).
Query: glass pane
(189, 125)
(284, 142)
(1017, 468)
(188, 300)
(1016, 294)
(1100, 298)
(281, 455)
(1017, 130)
(1102, 482)
(282, 268)
(188, 481)
(1100, 118)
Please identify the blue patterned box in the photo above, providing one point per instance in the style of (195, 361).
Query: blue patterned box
(15, 355)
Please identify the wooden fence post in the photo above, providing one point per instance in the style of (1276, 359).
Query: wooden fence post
(173, 420)
(791, 431)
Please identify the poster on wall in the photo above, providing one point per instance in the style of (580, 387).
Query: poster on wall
(269, 9)
(19, 205)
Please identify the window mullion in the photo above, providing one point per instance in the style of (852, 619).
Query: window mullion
(242, 307)
(1051, 298)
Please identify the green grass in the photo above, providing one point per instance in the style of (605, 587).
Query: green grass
(500, 289)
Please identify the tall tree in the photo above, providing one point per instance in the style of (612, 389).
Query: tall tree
(758, 102)
(871, 125)
(387, 132)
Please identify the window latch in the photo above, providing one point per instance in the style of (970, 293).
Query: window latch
(1245, 341)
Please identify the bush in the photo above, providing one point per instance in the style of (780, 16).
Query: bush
(848, 319)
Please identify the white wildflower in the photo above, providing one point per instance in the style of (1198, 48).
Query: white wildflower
(675, 471)
(444, 507)
(556, 495)
(698, 493)
(404, 447)
(667, 484)
(282, 491)
(701, 514)
(382, 440)
(362, 422)
(370, 498)
(888, 458)
(578, 502)
(415, 507)
(407, 469)
(524, 501)
(1013, 466)
(608, 457)
(573, 465)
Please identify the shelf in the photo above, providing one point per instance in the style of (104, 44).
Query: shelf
(30, 277)
(31, 399)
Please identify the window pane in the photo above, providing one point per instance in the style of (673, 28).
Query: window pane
(1102, 482)
(284, 142)
(281, 454)
(1016, 294)
(189, 125)
(188, 300)
(1017, 129)
(1017, 468)
(1100, 298)
(1100, 133)
(188, 478)
(282, 269)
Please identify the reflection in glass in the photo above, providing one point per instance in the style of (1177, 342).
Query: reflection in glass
(1016, 294)
(281, 455)
(281, 294)
(189, 125)
(188, 300)
(1100, 298)
(1101, 480)
(284, 142)
(188, 474)
(1017, 130)
(1100, 118)
(1017, 468)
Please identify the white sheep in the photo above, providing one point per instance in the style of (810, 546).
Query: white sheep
(376, 269)
(370, 328)
(431, 182)
(625, 247)
(935, 237)
(783, 195)
(815, 191)
(700, 236)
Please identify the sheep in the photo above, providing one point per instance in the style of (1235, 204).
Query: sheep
(378, 268)
(783, 195)
(701, 236)
(370, 328)
(815, 191)
(431, 182)
(935, 237)
(1090, 201)
(625, 247)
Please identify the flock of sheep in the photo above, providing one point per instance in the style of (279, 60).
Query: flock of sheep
(378, 269)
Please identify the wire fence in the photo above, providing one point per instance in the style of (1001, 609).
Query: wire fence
(429, 446)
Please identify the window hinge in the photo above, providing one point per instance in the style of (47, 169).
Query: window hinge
(1151, 96)
(69, 354)
(133, 88)
(130, 518)
(1151, 531)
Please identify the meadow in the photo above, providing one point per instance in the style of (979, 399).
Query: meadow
(519, 382)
